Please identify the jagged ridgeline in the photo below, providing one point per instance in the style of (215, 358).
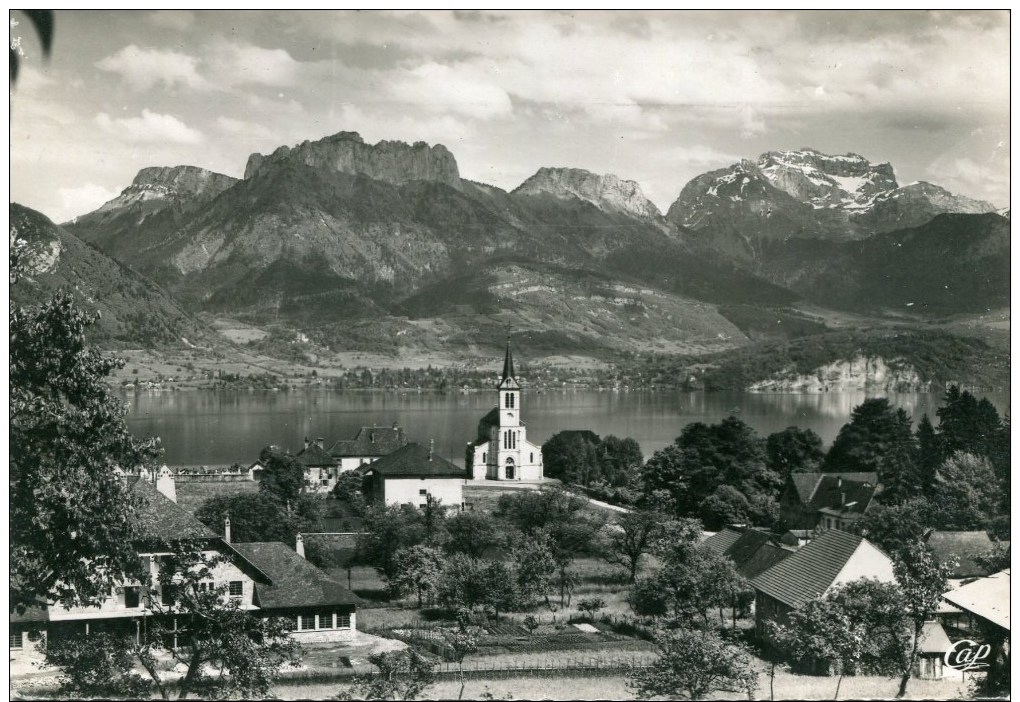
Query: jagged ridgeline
(342, 233)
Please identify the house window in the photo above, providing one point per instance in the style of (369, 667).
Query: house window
(485, 457)
(325, 620)
(236, 588)
(343, 621)
(423, 491)
(132, 597)
(306, 622)
(15, 639)
(422, 506)
(325, 483)
(531, 458)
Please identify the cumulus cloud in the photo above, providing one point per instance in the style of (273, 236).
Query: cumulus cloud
(240, 63)
(147, 68)
(460, 89)
(243, 128)
(150, 127)
(81, 199)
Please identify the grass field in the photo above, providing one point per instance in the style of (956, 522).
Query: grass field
(190, 496)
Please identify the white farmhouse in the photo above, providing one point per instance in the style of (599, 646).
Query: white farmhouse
(411, 475)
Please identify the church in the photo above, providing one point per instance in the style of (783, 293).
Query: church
(502, 451)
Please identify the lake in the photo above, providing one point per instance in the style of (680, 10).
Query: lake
(214, 427)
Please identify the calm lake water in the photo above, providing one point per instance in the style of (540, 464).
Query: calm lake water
(221, 427)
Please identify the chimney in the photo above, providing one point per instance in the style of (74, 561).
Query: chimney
(307, 442)
(300, 545)
(226, 528)
(432, 444)
(319, 441)
(165, 483)
(842, 499)
(839, 481)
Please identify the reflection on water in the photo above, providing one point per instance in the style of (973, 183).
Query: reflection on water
(214, 427)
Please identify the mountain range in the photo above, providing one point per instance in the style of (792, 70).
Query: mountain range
(337, 238)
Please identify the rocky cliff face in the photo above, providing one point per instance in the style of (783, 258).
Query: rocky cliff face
(607, 192)
(170, 185)
(392, 162)
(871, 374)
(807, 194)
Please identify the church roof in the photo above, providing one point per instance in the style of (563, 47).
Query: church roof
(509, 379)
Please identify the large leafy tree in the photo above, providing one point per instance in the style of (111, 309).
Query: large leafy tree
(627, 540)
(878, 438)
(923, 580)
(704, 458)
(418, 571)
(695, 663)
(793, 450)
(573, 457)
(472, 533)
(968, 495)
(70, 516)
(260, 516)
(225, 651)
(387, 531)
(283, 476)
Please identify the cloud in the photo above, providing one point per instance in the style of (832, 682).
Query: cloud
(81, 199)
(150, 127)
(241, 63)
(244, 129)
(181, 20)
(147, 68)
(462, 89)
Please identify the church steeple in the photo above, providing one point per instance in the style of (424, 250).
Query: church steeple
(509, 378)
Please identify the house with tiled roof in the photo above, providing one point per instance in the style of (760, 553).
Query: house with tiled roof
(752, 551)
(368, 445)
(411, 475)
(321, 469)
(251, 576)
(827, 500)
(832, 558)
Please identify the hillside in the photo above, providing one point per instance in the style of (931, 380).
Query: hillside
(134, 311)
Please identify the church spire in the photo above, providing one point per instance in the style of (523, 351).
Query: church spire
(508, 362)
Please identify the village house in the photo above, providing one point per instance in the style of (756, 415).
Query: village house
(267, 579)
(411, 475)
(369, 444)
(752, 551)
(832, 558)
(501, 450)
(321, 469)
(826, 500)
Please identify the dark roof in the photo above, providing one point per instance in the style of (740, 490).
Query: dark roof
(721, 541)
(842, 495)
(161, 519)
(761, 560)
(295, 581)
(808, 573)
(315, 455)
(417, 461)
(807, 483)
(962, 547)
(370, 441)
(508, 379)
(747, 545)
(491, 419)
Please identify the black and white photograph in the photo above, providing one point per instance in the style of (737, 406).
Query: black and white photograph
(509, 354)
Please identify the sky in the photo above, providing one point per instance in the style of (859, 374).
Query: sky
(657, 97)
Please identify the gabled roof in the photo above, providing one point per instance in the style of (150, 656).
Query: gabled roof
(491, 419)
(315, 455)
(747, 545)
(414, 460)
(933, 639)
(370, 441)
(841, 496)
(161, 519)
(763, 559)
(961, 547)
(810, 572)
(295, 581)
(721, 541)
(987, 598)
(806, 484)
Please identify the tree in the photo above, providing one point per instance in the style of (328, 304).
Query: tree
(629, 539)
(878, 438)
(967, 492)
(403, 675)
(591, 605)
(472, 533)
(705, 457)
(387, 530)
(692, 580)
(696, 663)
(621, 458)
(727, 505)
(533, 563)
(923, 580)
(100, 665)
(70, 515)
(967, 424)
(893, 527)
(793, 450)
(929, 455)
(284, 476)
(462, 584)
(461, 643)
(259, 516)
(225, 650)
(499, 589)
(573, 456)
(418, 570)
